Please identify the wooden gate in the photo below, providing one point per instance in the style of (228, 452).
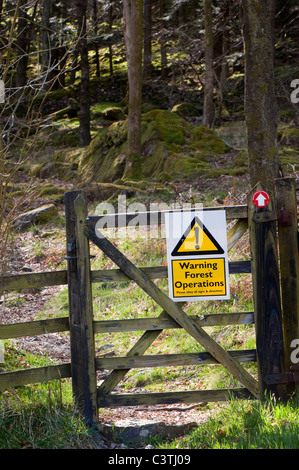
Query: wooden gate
(270, 350)
(274, 266)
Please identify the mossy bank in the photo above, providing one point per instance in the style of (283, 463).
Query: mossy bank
(172, 149)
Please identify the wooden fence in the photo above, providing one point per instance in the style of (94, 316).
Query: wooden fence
(274, 266)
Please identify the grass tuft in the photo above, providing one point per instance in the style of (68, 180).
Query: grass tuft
(246, 425)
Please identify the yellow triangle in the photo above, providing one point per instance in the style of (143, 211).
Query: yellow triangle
(197, 240)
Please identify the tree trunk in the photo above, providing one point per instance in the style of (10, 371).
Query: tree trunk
(147, 48)
(221, 45)
(110, 47)
(261, 109)
(1, 8)
(208, 108)
(74, 66)
(45, 36)
(22, 45)
(162, 41)
(95, 19)
(133, 31)
(63, 51)
(84, 114)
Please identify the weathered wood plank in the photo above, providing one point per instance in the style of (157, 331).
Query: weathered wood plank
(32, 280)
(266, 293)
(157, 323)
(156, 217)
(168, 360)
(56, 325)
(116, 275)
(239, 267)
(289, 261)
(57, 278)
(158, 272)
(36, 375)
(167, 398)
(33, 328)
(236, 233)
(174, 310)
(138, 349)
(80, 308)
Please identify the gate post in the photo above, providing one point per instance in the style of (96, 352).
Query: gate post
(80, 308)
(266, 293)
(289, 264)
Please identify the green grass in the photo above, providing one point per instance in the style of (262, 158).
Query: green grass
(246, 425)
(28, 420)
(39, 416)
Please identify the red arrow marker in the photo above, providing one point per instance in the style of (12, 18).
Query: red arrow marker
(261, 199)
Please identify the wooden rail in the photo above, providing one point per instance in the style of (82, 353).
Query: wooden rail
(58, 278)
(57, 325)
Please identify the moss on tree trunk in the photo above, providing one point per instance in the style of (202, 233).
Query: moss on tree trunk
(209, 108)
(84, 113)
(261, 109)
(133, 31)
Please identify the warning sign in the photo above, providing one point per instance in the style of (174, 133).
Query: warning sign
(197, 240)
(197, 255)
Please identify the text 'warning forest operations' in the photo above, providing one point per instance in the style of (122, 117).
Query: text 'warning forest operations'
(199, 279)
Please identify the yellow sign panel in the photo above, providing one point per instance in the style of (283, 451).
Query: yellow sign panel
(197, 240)
(199, 277)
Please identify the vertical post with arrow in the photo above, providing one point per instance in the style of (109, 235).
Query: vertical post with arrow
(262, 220)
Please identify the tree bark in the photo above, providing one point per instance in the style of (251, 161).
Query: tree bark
(110, 46)
(133, 31)
(95, 19)
(147, 54)
(162, 40)
(208, 108)
(84, 114)
(261, 111)
(45, 36)
(22, 45)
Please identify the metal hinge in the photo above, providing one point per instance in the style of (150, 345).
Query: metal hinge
(282, 216)
(291, 377)
(266, 216)
(285, 217)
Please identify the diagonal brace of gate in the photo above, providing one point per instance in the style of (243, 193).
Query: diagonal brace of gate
(139, 348)
(174, 310)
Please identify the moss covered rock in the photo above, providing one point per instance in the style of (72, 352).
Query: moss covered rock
(172, 148)
(36, 216)
(114, 114)
(186, 110)
(289, 136)
(104, 159)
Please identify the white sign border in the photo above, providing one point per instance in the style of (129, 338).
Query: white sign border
(176, 224)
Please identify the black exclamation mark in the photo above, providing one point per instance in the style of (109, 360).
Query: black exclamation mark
(196, 237)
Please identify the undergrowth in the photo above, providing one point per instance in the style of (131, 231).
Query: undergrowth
(266, 424)
(39, 416)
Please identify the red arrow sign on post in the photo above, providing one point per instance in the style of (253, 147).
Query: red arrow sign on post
(261, 199)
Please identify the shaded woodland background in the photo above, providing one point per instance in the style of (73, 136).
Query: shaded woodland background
(89, 99)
